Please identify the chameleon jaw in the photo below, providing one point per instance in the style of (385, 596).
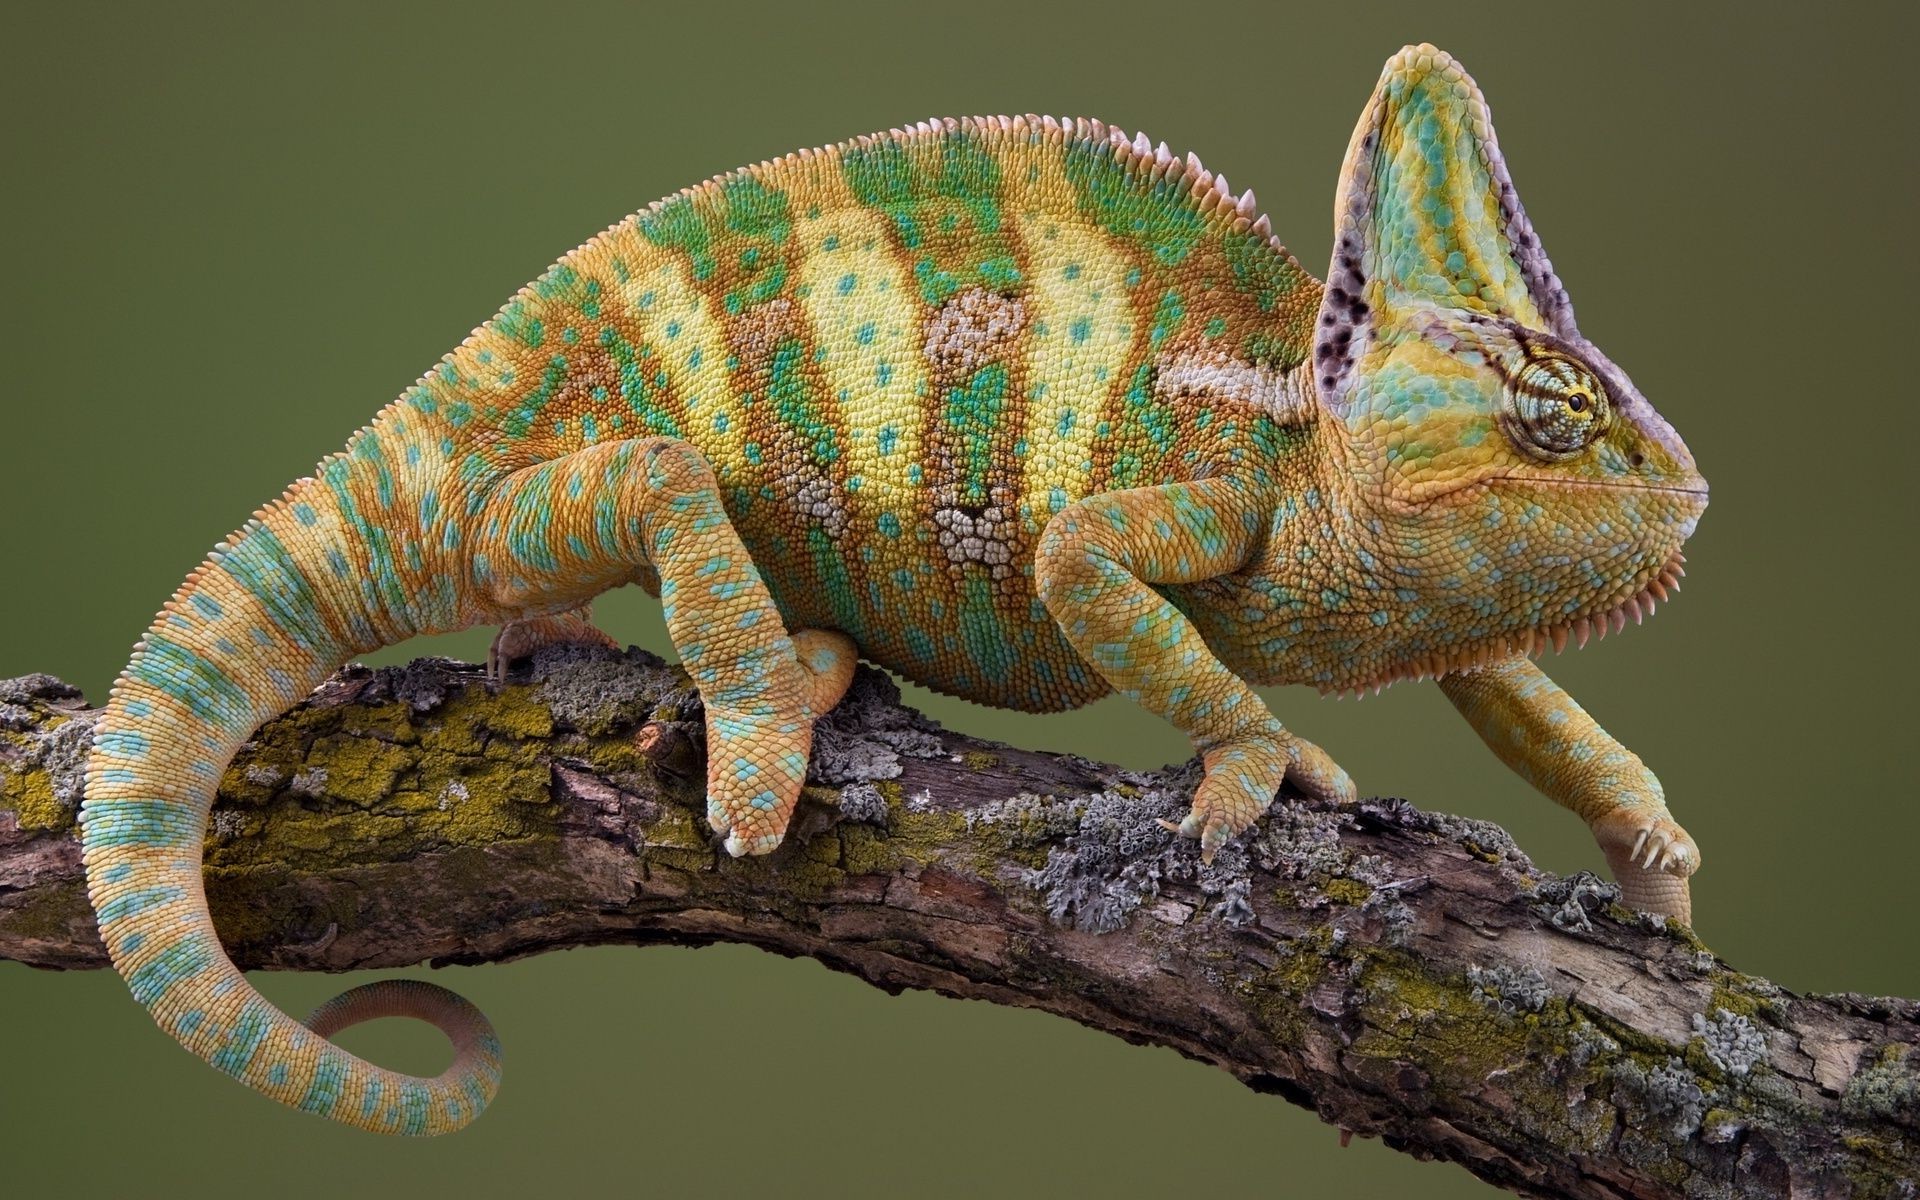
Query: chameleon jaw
(1636, 607)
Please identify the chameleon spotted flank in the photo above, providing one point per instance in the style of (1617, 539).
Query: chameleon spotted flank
(1022, 409)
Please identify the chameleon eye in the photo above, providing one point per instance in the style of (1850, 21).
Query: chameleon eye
(1555, 409)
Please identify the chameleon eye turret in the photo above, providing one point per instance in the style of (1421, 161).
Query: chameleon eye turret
(1025, 409)
(1555, 408)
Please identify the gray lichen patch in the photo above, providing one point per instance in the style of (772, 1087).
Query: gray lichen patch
(1510, 989)
(1886, 1088)
(867, 734)
(61, 751)
(1483, 839)
(1107, 855)
(1665, 1097)
(422, 685)
(454, 791)
(1115, 860)
(45, 754)
(863, 802)
(1116, 857)
(1586, 1043)
(590, 687)
(848, 760)
(24, 689)
(1026, 820)
(1730, 1041)
(1297, 841)
(1567, 902)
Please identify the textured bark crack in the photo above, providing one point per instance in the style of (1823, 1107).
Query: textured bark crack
(1407, 975)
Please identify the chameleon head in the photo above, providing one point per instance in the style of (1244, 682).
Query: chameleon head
(1510, 461)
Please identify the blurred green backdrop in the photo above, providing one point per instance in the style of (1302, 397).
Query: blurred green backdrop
(233, 233)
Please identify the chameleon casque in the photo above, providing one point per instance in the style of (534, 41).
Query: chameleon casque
(1022, 409)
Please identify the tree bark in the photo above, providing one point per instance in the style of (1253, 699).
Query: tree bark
(1407, 975)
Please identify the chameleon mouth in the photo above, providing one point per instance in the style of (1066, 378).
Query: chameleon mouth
(1577, 632)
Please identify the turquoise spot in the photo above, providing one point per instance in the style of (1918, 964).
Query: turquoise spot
(203, 685)
(123, 743)
(185, 959)
(328, 1076)
(132, 904)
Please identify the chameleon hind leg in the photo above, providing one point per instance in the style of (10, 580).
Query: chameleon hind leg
(1539, 731)
(1095, 563)
(522, 638)
(570, 528)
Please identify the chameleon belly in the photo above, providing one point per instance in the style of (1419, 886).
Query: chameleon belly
(901, 357)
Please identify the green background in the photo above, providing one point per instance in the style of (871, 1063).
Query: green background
(232, 234)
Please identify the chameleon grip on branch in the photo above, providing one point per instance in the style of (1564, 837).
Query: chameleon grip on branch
(1022, 409)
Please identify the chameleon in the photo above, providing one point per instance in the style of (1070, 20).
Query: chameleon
(1024, 409)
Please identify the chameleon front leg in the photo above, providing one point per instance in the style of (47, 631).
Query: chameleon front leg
(570, 528)
(1549, 740)
(1093, 569)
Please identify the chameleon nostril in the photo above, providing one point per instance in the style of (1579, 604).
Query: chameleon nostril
(1637, 459)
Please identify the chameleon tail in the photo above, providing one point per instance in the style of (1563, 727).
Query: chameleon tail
(260, 624)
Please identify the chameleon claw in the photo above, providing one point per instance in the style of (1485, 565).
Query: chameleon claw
(764, 843)
(1212, 839)
(1211, 836)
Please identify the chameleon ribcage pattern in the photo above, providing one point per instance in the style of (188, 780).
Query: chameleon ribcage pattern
(1026, 410)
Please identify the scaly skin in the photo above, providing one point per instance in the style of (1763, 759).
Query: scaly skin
(1019, 409)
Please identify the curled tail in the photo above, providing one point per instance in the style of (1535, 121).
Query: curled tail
(308, 583)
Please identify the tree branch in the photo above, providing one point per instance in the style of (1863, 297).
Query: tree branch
(1407, 975)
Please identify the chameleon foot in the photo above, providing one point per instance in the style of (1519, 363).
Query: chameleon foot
(1242, 777)
(1650, 857)
(757, 761)
(754, 771)
(519, 639)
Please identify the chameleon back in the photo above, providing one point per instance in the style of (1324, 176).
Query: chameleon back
(901, 356)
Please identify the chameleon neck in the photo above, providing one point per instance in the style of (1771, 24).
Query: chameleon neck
(1351, 590)
(1293, 611)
